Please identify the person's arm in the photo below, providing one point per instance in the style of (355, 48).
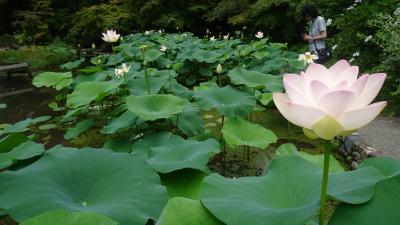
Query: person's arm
(322, 35)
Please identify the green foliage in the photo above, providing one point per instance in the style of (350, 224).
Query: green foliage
(90, 22)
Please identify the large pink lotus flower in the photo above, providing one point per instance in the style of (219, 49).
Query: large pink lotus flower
(111, 36)
(330, 102)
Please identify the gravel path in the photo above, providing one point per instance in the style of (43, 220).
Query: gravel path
(383, 134)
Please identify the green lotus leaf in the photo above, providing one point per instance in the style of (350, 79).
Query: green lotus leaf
(117, 185)
(189, 120)
(383, 209)
(265, 98)
(177, 153)
(287, 195)
(253, 79)
(79, 128)
(152, 54)
(23, 151)
(124, 121)
(91, 69)
(143, 146)
(206, 55)
(98, 76)
(229, 101)
(237, 131)
(56, 80)
(115, 59)
(87, 92)
(152, 107)
(355, 186)
(183, 183)
(73, 64)
(11, 141)
(138, 86)
(118, 145)
(61, 217)
(387, 166)
(23, 125)
(183, 211)
(180, 90)
(260, 55)
(47, 126)
(289, 149)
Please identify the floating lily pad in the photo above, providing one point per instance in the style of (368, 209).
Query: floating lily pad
(117, 185)
(61, 217)
(73, 64)
(58, 80)
(229, 101)
(87, 92)
(177, 153)
(237, 131)
(23, 151)
(152, 107)
(183, 211)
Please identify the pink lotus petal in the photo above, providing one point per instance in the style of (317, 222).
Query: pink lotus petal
(355, 119)
(297, 96)
(370, 90)
(300, 115)
(339, 67)
(336, 102)
(317, 72)
(340, 86)
(318, 89)
(359, 85)
(350, 75)
(295, 81)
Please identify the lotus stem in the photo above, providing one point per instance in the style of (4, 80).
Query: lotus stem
(324, 187)
(219, 79)
(170, 80)
(147, 80)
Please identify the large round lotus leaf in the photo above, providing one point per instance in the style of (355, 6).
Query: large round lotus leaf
(177, 153)
(73, 64)
(152, 107)
(287, 195)
(383, 209)
(253, 79)
(124, 121)
(79, 128)
(355, 186)
(183, 211)
(206, 55)
(61, 217)
(189, 120)
(87, 92)
(238, 131)
(387, 166)
(23, 151)
(183, 183)
(52, 79)
(229, 101)
(117, 185)
(143, 146)
(138, 86)
(11, 141)
(290, 149)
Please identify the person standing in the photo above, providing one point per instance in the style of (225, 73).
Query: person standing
(317, 35)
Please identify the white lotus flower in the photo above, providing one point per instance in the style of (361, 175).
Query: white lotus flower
(111, 36)
(160, 31)
(226, 37)
(147, 32)
(328, 22)
(350, 8)
(367, 38)
(163, 48)
(357, 1)
(356, 54)
(93, 46)
(259, 35)
(212, 38)
(121, 71)
(330, 102)
(307, 57)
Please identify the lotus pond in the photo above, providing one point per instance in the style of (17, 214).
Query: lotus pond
(172, 129)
